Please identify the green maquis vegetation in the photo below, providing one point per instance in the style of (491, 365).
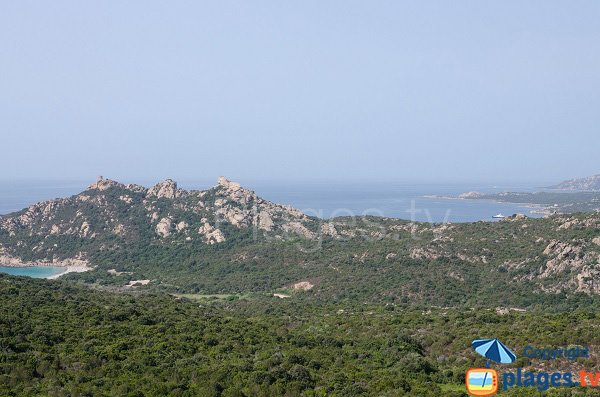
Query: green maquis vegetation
(227, 240)
(370, 306)
(61, 339)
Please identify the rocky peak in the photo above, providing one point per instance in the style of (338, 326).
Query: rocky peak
(233, 191)
(97, 215)
(103, 184)
(227, 184)
(167, 189)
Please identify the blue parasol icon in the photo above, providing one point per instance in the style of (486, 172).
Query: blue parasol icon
(494, 350)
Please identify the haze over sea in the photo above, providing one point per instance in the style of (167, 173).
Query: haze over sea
(405, 200)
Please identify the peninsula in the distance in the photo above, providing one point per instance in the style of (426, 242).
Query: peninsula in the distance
(577, 195)
(590, 183)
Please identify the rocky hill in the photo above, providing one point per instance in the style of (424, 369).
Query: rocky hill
(109, 215)
(227, 240)
(589, 183)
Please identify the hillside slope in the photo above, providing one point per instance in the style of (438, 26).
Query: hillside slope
(227, 240)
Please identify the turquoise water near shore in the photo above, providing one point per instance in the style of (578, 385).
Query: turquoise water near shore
(33, 271)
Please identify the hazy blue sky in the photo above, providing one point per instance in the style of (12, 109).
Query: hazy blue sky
(448, 90)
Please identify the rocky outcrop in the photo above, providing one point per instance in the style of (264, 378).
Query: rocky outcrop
(85, 229)
(165, 189)
(561, 250)
(104, 184)
(588, 279)
(568, 223)
(516, 217)
(425, 253)
(227, 184)
(293, 212)
(572, 259)
(328, 229)
(564, 256)
(265, 222)
(234, 193)
(119, 229)
(181, 226)
(126, 199)
(236, 216)
(303, 286)
(211, 234)
(299, 229)
(164, 226)
(243, 208)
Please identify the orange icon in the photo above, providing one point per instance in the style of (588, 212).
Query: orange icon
(482, 381)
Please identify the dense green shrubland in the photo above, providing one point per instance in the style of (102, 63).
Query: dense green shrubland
(59, 339)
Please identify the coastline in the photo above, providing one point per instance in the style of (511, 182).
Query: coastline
(69, 265)
(69, 269)
(534, 208)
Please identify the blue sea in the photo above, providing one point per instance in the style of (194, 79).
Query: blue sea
(326, 199)
(33, 271)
